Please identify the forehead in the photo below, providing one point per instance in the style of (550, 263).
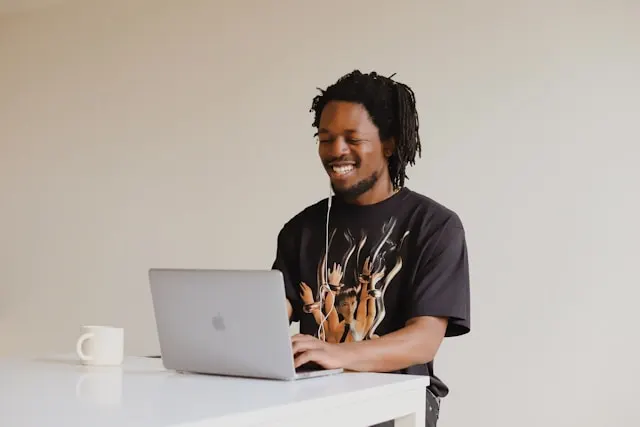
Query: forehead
(341, 116)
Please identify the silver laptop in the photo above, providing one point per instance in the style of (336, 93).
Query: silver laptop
(225, 322)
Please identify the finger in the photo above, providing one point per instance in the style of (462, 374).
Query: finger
(305, 342)
(302, 337)
(302, 346)
(308, 356)
(297, 337)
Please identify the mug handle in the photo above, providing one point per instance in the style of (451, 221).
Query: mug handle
(79, 343)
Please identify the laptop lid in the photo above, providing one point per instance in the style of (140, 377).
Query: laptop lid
(226, 322)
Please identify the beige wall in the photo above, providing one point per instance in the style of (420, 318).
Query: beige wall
(176, 134)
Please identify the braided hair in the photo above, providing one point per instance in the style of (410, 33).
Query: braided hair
(392, 108)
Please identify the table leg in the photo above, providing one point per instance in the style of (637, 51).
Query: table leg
(408, 421)
(415, 419)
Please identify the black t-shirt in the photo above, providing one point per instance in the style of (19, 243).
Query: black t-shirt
(388, 262)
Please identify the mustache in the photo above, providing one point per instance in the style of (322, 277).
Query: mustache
(327, 162)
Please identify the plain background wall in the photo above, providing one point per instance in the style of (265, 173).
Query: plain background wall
(136, 134)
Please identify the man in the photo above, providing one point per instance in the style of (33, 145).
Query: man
(396, 279)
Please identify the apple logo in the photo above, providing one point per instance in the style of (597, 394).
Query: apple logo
(218, 322)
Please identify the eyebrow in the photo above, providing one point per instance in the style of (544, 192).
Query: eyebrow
(323, 130)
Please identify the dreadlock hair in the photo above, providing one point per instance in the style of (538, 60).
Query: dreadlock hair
(392, 108)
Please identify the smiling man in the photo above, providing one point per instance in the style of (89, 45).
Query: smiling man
(379, 276)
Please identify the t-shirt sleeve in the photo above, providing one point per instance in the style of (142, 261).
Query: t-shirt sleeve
(441, 287)
(286, 263)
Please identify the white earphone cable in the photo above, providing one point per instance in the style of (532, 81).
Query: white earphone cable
(321, 329)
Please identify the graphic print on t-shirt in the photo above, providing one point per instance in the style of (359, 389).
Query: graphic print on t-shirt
(350, 294)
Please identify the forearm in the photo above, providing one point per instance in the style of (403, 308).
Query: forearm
(416, 343)
(289, 309)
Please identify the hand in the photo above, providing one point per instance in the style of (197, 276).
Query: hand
(335, 276)
(307, 348)
(306, 294)
(367, 267)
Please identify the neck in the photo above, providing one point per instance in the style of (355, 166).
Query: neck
(381, 190)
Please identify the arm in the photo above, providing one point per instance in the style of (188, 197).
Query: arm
(289, 309)
(416, 343)
(438, 307)
(285, 262)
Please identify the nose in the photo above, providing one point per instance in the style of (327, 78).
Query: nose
(337, 147)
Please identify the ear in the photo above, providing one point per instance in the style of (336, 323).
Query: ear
(389, 147)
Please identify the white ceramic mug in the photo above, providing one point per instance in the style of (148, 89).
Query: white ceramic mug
(101, 345)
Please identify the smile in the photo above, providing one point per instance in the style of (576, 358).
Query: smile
(342, 170)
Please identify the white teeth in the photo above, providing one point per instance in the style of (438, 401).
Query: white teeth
(341, 170)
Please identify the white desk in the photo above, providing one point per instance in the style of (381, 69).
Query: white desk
(59, 392)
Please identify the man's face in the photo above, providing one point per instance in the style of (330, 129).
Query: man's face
(350, 148)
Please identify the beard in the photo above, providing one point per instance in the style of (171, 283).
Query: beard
(356, 190)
